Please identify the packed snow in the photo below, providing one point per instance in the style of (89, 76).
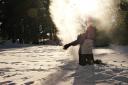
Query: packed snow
(51, 65)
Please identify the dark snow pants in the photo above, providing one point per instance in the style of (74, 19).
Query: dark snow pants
(85, 59)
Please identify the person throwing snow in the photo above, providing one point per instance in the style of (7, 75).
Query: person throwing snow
(85, 40)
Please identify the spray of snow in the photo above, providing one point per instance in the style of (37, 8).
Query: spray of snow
(70, 15)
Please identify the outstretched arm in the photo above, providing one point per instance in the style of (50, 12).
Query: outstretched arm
(74, 43)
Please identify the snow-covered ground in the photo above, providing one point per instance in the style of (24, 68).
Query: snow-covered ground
(51, 65)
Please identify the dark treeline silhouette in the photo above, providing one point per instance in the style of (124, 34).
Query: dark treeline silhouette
(27, 21)
(120, 32)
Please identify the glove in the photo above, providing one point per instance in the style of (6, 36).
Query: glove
(66, 46)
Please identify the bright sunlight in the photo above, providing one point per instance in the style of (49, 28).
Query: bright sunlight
(70, 15)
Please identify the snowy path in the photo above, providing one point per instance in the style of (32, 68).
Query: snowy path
(51, 65)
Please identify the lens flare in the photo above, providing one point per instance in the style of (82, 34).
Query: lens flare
(69, 16)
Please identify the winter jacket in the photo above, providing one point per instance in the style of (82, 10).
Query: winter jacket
(85, 40)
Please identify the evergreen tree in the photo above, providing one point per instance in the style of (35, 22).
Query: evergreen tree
(26, 20)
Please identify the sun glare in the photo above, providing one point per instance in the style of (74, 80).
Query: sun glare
(70, 15)
(88, 6)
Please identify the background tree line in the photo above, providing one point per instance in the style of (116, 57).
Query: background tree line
(29, 21)
(120, 32)
(26, 20)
